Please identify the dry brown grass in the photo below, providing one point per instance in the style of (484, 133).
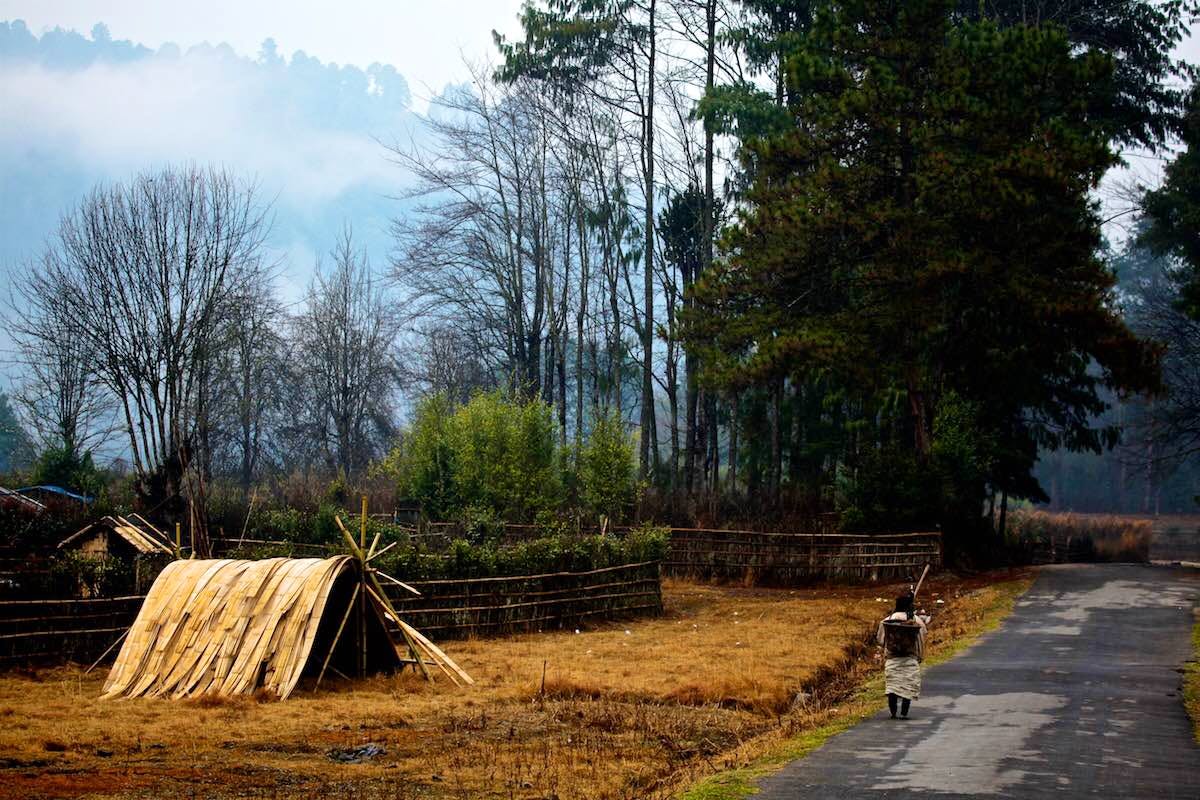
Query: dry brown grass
(623, 711)
(1089, 537)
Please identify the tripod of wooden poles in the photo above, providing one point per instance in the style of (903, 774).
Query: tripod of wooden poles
(368, 593)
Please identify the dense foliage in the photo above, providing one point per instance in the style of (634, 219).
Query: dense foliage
(15, 445)
(502, 456)
(877, 254)
(1172, 212)
(556, 553)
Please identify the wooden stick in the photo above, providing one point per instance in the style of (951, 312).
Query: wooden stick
(416, 634)
(381, 552)
(362, 533)
(374, 544)
(362, 601)
(924, 572)
(249, 511)
(106, 652)
(337, 637)
(388, 610)
(348, 537)
(418, 655)
(401, 584)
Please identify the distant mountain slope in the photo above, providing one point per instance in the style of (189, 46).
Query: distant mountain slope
(78, 109)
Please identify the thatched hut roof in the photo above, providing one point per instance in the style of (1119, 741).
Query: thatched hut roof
(134, 530)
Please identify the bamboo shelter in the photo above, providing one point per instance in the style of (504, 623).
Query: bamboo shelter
(231, 627)
(109, 535)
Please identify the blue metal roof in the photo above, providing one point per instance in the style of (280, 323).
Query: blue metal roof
(59, 491)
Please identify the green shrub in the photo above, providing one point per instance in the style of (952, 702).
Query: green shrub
(91, 576)
(505, 456)
(481, 525)
(289, 524)
(58, 466)
(562, 553)
(325, 529)
(493, 453)
(423, 462)
(607, 471)
(337, 493)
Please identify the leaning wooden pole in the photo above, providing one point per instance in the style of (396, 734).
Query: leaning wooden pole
(366, 575)
(362, 597)
(916, 591)
(337, 637)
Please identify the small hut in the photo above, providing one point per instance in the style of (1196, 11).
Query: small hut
(126, 537)
(10, 498)
(232, 627)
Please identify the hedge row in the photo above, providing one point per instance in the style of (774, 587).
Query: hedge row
(412, 560)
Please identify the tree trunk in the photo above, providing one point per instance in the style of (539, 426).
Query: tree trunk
(580, 316)
(648, 432)
(714, 448)
(1003, 512)
(776, 440)
(734, 420)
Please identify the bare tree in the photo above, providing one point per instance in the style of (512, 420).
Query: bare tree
(619, 73)
(477, 256)
(145, 267)
(248, 382)
(448, 362)
(1166, 430)
(60, 395)
(344, 371)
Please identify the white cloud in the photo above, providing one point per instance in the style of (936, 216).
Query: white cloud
(203, 108)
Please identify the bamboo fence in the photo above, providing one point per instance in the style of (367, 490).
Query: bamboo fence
(790, 558)
(491, 606)
(81, 630)
(63, 630)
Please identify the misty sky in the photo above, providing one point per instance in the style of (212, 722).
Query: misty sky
(162, 83)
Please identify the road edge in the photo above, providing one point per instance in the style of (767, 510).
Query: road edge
(863, 700)
(1191, 679)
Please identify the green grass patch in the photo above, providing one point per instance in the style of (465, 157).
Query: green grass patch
(866, 700)
(1191, 682)
(740, 783)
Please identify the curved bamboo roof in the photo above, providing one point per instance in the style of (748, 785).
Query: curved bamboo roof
(225, 627)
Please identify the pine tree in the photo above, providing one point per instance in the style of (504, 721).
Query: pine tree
(1173, 212)
(924, 230)
(16, 448)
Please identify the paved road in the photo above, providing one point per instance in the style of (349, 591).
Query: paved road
(1074, 696)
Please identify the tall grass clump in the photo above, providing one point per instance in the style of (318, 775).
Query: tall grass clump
(1066, 537)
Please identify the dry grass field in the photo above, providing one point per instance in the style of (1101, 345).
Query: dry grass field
(622, 711)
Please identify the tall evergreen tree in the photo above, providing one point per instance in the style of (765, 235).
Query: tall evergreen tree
(16, 448)
(1172, 212)
(924, 235)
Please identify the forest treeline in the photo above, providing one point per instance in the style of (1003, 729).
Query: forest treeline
(800, 257)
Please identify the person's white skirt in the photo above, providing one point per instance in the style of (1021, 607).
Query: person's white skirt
(902, 676)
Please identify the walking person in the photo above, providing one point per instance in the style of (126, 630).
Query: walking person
(904, 650)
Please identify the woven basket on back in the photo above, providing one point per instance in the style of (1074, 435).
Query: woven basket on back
(900, 637)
